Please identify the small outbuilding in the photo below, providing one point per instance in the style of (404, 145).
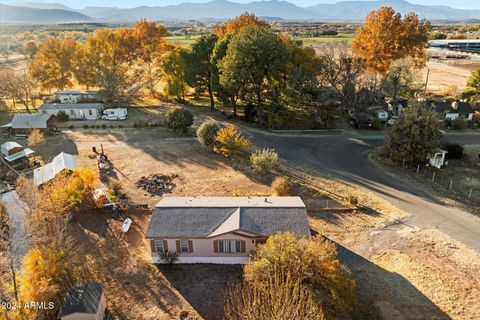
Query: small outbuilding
(453, 110)
(11, 147)
(61, 162)
(14, 152)
(74, 111)
(84, 301)
(22, 124)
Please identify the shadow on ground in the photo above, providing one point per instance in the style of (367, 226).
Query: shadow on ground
(394, 294)
(203, 285)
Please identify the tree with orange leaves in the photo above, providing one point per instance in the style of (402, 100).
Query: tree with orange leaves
(387, 36)
(237, 24)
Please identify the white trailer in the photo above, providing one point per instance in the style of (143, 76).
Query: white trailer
(115, 114)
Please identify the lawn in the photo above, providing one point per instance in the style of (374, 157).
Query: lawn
(326, 40)
(183, 41)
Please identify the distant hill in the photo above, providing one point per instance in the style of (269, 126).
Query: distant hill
(224, 9)
(217, 9)
(357, 10)
(17, 14)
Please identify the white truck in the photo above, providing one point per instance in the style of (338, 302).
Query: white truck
(115, 114)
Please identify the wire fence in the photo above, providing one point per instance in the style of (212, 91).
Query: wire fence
(461, 185)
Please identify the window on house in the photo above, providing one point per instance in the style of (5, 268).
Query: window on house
(90, 113)
(229, 246)
(159, 246)
(184, 246)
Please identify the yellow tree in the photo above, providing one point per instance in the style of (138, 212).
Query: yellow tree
(312, 261)
(386, 37)
(237, 24)
(52, 66)
(42, 278)
(149, 45)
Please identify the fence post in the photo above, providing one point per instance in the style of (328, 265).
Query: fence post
(433, 177)
(470, 194)
(418, 168)
(403, 164)
(326, 205)
(450, 187)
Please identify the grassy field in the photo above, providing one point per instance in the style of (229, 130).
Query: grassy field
(183, 41)
(321, 41)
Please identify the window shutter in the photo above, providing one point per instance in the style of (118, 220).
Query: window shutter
(152, 245)
(215, 246)
(177, 242)
(190, 246)
(242, 246)
(165, 246)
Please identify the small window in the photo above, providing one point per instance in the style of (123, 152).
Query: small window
(229, 246)
(90, 113)
(184, 246)
(159, 246)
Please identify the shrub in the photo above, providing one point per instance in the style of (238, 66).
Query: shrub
(459, 124)
(206, 134)
(135, 125)
(35, 138)
(115, 190)
(85, 126)
(104, 126)
(263, 161)
(455, 150)
(230, 142)
(352, 199)
(179, 120)
(281, 187)
(62, 116)
(168, 257)
(71, 127)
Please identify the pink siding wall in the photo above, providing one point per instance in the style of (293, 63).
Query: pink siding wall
(204, 247)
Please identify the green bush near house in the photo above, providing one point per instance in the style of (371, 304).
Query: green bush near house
(179, 120)
(62, 116)
(206, 134)
(459, 124)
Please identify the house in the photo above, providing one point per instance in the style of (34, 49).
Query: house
(222, 230)
(84, 301)
(76, 96)
(453, 110)
(74, 111)
(22, 124)
(61, 162)
(14, 152)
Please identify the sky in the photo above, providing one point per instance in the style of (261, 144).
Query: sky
(464, 4)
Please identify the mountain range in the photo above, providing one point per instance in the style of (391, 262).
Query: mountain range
(43, 12)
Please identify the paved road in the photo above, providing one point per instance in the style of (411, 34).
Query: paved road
(345, 157)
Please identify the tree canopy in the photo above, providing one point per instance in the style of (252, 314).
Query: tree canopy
(386, 36)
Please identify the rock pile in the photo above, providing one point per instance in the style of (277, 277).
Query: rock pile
(156, 183)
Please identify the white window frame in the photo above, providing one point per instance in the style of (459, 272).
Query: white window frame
(157, 246)
(229, 246)
(184, 245)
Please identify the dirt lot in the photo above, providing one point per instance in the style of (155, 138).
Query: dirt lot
(410, 274)
(444, 79)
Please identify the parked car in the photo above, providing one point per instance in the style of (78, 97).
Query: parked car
(115, 114)
(378, 112)
(392, 120)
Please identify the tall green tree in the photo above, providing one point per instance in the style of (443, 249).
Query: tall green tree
(398, 81)
(473, 82)
(255, 61)
(174, 68)
(199, 68)
(414, 136)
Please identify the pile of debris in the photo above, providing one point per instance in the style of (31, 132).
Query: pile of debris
(157, 183)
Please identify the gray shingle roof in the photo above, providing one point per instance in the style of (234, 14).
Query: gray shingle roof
(82, 298)
(30, 121)
(258, 217)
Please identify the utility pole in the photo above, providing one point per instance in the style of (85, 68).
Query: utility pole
(426, 82)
